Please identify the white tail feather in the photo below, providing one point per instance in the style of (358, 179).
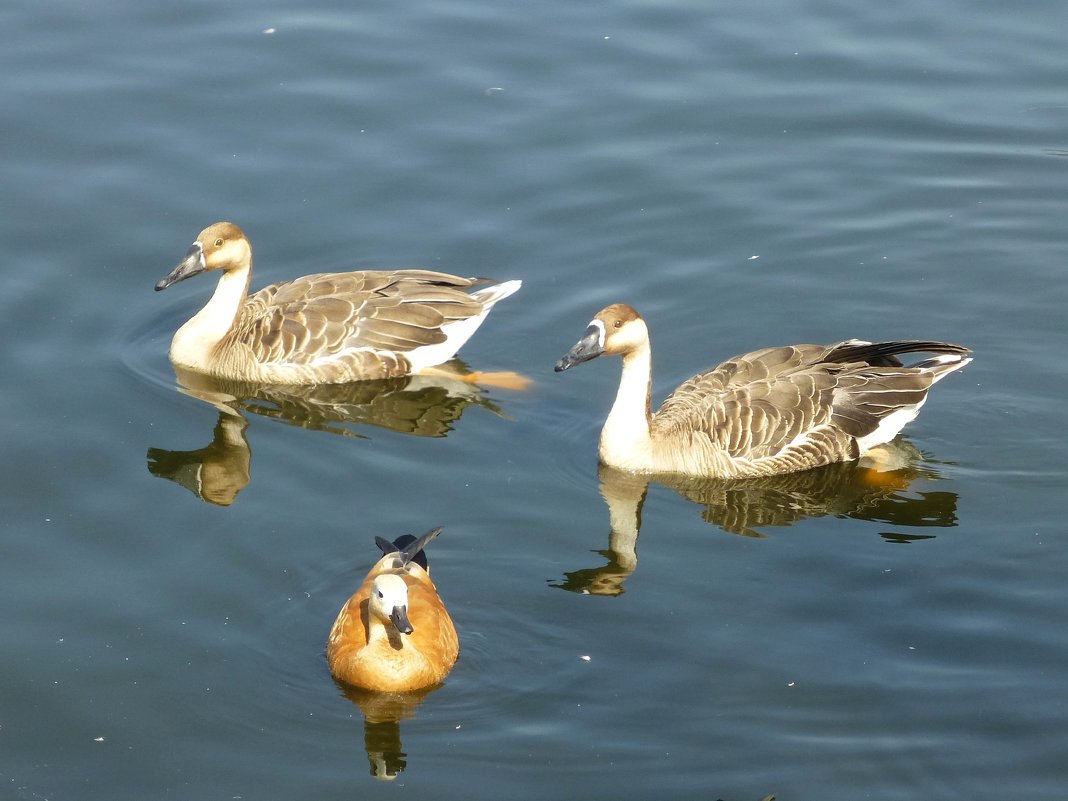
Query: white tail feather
(456, 334)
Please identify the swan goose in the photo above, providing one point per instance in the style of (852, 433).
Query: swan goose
(776, 410)
(394, 634)
(323, 328)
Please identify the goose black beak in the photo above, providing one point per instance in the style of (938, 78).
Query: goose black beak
(192, 264)
(399, 616)
(589, 347)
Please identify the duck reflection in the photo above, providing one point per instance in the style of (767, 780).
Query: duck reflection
(421, 405)
(878, 488)
(382, 716)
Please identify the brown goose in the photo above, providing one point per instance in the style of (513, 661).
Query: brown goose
(325, 328)
(771, 411)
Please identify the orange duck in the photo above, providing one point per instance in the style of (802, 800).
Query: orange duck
(394, 634)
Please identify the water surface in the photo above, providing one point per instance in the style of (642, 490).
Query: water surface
(748, 175)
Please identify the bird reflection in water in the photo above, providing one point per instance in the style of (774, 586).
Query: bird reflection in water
(878, 488)
(214, 473)
(421, 405)
(382, 716)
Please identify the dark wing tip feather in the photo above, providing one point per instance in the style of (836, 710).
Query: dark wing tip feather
(884, 354)
(388, 547)
(408, 547)
(414, 550)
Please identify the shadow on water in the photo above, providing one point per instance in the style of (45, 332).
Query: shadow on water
(424, 406)
(382, 716)
(861, 490)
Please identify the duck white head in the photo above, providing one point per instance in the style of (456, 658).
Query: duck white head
(389, 601)
(222, 246)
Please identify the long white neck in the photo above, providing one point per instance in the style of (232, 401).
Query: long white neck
(193, 342)
(625, 439)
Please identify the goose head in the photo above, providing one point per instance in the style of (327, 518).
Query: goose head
(389, 601)
(616, 330)
(222, 246)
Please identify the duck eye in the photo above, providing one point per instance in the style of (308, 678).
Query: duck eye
(618, 324)
(218, 243)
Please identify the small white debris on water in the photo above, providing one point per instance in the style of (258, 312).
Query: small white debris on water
(753, 258)
(268, 31)
(790, 683)
(98, 739)
(585, 658)
(458, 725)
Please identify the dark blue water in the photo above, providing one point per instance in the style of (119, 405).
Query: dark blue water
(746, 175)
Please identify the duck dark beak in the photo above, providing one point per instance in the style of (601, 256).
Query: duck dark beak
(192, 264)
(399, 616)
(589, 347)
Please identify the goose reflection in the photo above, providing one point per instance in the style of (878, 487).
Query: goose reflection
(382, 716)
(421, 405)
(878, 488)
(214, 473)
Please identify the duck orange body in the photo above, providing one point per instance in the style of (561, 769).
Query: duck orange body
(394, 634)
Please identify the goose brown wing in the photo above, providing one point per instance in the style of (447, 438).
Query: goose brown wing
(749, 419)
(320, 315)
(759, 365)
(754, 405)
(873, 383)
(865, 397)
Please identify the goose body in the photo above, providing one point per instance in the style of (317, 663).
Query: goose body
(323, 328)
(394, 634)
(776, 410)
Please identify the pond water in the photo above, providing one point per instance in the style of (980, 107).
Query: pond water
(747, 174)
